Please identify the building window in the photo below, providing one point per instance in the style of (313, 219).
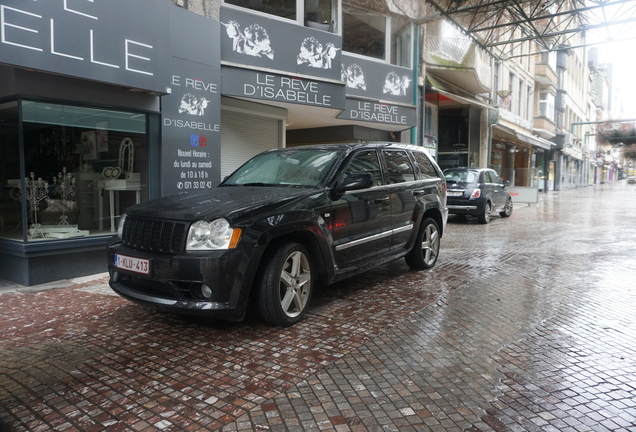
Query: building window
(318, 14)
(321, 14)
(522, 99)
(374, 35)
(512, 84)
(81, 165)
(364, 33)
(546, 105)
(401, 41)
(281, 8)
(529, 102)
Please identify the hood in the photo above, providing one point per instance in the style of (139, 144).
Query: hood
(230, 202)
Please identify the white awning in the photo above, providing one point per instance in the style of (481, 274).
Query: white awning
(526, 138)
(535, 141)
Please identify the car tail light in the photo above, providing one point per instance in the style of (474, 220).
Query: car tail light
(476, 193)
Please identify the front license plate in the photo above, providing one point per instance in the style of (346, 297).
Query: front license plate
(133, 264)
(454, 193)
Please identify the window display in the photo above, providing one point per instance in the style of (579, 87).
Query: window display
(82, 166)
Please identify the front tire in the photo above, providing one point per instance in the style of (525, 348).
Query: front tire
(507, 211)
(426, 249)
(484, 217)
(286, 285)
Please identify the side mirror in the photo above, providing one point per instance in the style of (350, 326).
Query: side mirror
(355, 181)
(506, 183)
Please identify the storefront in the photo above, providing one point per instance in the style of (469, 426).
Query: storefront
(462, 138)
(100, 110)
(521, 158)
(81, 102)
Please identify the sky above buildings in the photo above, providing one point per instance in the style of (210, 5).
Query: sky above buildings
(616, 44)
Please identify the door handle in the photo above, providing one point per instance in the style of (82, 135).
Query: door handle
(381, 200)
(418, 193)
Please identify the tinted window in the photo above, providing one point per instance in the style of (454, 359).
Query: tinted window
(424, 164)
(461, 176)
(399, 167)
(495, 177)
(365, 161)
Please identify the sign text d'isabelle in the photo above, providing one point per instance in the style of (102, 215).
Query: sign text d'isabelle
(282, 88)
(377, 112)
(286, 89)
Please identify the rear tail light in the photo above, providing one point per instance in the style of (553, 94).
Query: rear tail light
(476, 193)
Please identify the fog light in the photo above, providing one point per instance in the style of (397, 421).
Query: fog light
(206, 292)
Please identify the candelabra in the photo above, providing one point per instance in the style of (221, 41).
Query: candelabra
(64, 185)
(37, 190)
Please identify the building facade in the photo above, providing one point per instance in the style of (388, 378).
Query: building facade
(107, 103)
(101, 109)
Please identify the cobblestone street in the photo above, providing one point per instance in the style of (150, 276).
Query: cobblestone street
(525, 324)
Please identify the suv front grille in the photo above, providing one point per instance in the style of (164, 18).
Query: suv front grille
(154, 235)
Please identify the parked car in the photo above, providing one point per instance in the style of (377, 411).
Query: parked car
(283, 222)
(477, 192)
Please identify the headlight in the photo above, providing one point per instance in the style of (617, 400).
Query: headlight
(120, 227)
(214, 235)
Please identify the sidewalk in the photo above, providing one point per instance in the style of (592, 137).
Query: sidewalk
(8, 286)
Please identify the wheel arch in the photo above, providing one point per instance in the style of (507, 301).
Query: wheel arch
(436, 215)
(302, 236)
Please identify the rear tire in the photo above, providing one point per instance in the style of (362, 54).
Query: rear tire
(286, 285)
(425, 251)
(484, 217)
(507, 211)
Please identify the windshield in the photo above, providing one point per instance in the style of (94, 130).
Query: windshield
(462, 176)
(292, 167)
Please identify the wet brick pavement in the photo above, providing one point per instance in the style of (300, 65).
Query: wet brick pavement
(525, 324)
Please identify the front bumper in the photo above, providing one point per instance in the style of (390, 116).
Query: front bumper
(213, 283)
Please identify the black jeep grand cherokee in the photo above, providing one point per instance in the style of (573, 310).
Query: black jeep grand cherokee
(284, 221)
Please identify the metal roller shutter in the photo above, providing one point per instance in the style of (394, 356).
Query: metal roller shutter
(243, 136)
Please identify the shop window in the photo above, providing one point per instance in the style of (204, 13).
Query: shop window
(280, 8)
(81, 167)
(10, 204)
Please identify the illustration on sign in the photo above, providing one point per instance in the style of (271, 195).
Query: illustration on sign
(193, 105)
(253, 40)
(354, 77)
(396, 85)
(313, 54)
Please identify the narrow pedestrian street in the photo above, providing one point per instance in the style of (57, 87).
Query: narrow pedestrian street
(525, 324)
